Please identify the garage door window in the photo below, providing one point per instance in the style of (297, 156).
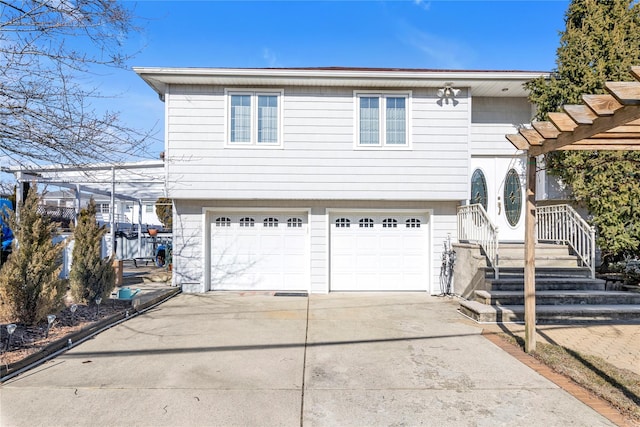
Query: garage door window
(270, 222)
(343, 223)
(413, 223)
(223, 222)
(247, 222)
(366, 223)
(294, 222)
(389, 223)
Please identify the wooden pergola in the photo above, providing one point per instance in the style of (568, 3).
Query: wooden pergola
(603, 122)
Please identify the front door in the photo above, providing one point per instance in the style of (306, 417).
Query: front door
(498, 183)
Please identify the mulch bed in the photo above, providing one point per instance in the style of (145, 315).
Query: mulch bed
(28, 340)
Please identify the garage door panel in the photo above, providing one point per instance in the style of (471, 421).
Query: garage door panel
(386, 256)
(259, 257)
(366, 263)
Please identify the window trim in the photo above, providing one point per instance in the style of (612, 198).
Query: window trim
(253, 140)
(382, 95)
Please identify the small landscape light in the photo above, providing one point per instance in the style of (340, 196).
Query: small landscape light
(98, 301)
(73, 309)
(11, 328)
(50, 319)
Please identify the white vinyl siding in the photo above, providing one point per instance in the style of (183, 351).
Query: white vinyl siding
(253, 118)
(492, 119)
(382, 120)
(316, 159)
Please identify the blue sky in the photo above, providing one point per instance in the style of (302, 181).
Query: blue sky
(446, 34)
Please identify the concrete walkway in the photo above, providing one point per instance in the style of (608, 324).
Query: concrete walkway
(259, 360)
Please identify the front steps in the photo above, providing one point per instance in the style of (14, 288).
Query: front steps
(565, 292)
(581, 313)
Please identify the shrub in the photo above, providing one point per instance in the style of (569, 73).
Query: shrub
(91, 275)
(164, 212)
(30, 284)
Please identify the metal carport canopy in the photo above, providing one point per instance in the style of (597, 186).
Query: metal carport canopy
(132, 181)
(603, 122)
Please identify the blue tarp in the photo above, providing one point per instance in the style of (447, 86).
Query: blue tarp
(7, 235)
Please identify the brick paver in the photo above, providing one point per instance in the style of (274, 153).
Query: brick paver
(617, 344)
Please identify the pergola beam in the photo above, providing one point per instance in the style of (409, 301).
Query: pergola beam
(603, 122)
(600, 125)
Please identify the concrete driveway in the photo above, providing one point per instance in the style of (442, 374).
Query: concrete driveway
(259, 360)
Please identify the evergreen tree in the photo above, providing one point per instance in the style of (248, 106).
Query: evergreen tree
(30, 284)
(600, 43)
(164, 211)
(91, 275)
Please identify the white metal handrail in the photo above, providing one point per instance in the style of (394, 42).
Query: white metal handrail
(475, 226)
(562, 224)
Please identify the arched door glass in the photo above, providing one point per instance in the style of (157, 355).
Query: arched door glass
(512, 197)
(479, 189)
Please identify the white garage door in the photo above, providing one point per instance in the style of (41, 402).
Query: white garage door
(379, 252)
(259, 251)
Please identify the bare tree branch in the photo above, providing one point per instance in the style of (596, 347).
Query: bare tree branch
(46, 113)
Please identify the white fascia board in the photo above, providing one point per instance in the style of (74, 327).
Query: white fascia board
(159, 78)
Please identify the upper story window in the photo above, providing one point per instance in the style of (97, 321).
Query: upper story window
(254, 118)
(382, 120)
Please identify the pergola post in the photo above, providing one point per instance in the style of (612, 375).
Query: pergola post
(139, 228)
(608, 121)
(77, 204)
(530, 258)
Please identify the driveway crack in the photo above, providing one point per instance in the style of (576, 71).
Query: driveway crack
(304, 366)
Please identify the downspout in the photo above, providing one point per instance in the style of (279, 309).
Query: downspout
(112, 230)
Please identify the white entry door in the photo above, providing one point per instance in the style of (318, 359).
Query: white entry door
(379, 251)
(504, 182)
(259, 251)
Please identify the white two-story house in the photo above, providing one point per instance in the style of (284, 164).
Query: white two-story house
(333, 179)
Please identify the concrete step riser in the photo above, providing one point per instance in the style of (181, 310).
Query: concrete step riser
(548, 262)
(541, 273)
(549, 286)
(507, 316)
(519, 254)
(560, 300)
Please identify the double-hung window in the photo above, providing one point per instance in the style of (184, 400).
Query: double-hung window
(254, 118)
(382, 120)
